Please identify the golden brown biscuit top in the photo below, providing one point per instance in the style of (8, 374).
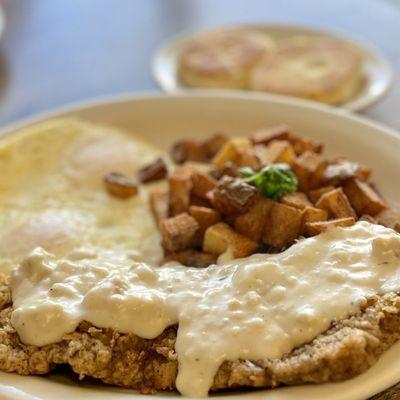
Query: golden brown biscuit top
(301, 66)
(220, 51)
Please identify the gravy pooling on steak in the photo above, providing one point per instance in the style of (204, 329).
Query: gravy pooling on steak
(253, 308)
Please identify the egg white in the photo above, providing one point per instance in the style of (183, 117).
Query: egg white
(52, 194)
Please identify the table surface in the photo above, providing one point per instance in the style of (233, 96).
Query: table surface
(57, 52)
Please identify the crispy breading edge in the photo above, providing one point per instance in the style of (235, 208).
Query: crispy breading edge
(348, 348)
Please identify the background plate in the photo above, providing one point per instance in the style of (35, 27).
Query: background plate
(163, 119)
(378, 73)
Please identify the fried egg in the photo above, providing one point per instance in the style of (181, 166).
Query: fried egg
(52, 194)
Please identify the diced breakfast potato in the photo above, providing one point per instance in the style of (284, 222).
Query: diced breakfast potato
(231, 151)
(199, 201)
(302, 144)
(315, 194)
(342, 169)
(278, 151)
(214, 144)
(192, 258)
(195, 150)
(179, 232)
(336, 204)
(363, 198)
(232, 196)
(315, 228)
(251, 223)
(266, 136)
(283, 225)
(180, 186)
(188, 150)
(154, 171)
(297, 200)
(313, 214)
(389, 217)
(221, 239)
(120, 186)
(202, 184)
(228, 169)
(204, 216)
(251, 157)
(309, 168)
(159, 205)
(363, 172)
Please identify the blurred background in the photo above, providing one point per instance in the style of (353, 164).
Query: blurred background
(57, 52)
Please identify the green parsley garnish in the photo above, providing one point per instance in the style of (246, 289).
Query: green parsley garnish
(272, 181)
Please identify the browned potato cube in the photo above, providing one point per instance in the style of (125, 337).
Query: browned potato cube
(221, 239)
(180, 187)
(266, 136)
(178, 233)
(363, 198)
(205, 217)
(251, 223)
(283, 225)
(202, 184)
(309, 168)
(188, 150)
(315, 194)
(389, 217)
(297, 200)
(199, 201)
(250, 158)
(213, 144)
(159, 205)
(120, 186)
(232, 151)
(315, 228)
(312, 214)
(233, 196)
(192, 258)
(154, 171)
(301, 145)
(278, 151)
(336, 203)
(341, 169)
(363, 172)
(261, 155)
(229, 169)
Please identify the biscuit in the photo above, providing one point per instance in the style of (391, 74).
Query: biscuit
(223, 58)
(322, 69)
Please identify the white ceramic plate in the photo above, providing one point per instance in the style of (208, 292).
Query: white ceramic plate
(377, 72)
(161, 120)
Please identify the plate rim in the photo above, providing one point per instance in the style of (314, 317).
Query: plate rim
(154, 95)
(356, 104)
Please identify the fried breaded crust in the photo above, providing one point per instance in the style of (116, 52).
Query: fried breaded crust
(348, 348)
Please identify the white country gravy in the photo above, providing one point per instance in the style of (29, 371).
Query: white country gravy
(253, 308)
